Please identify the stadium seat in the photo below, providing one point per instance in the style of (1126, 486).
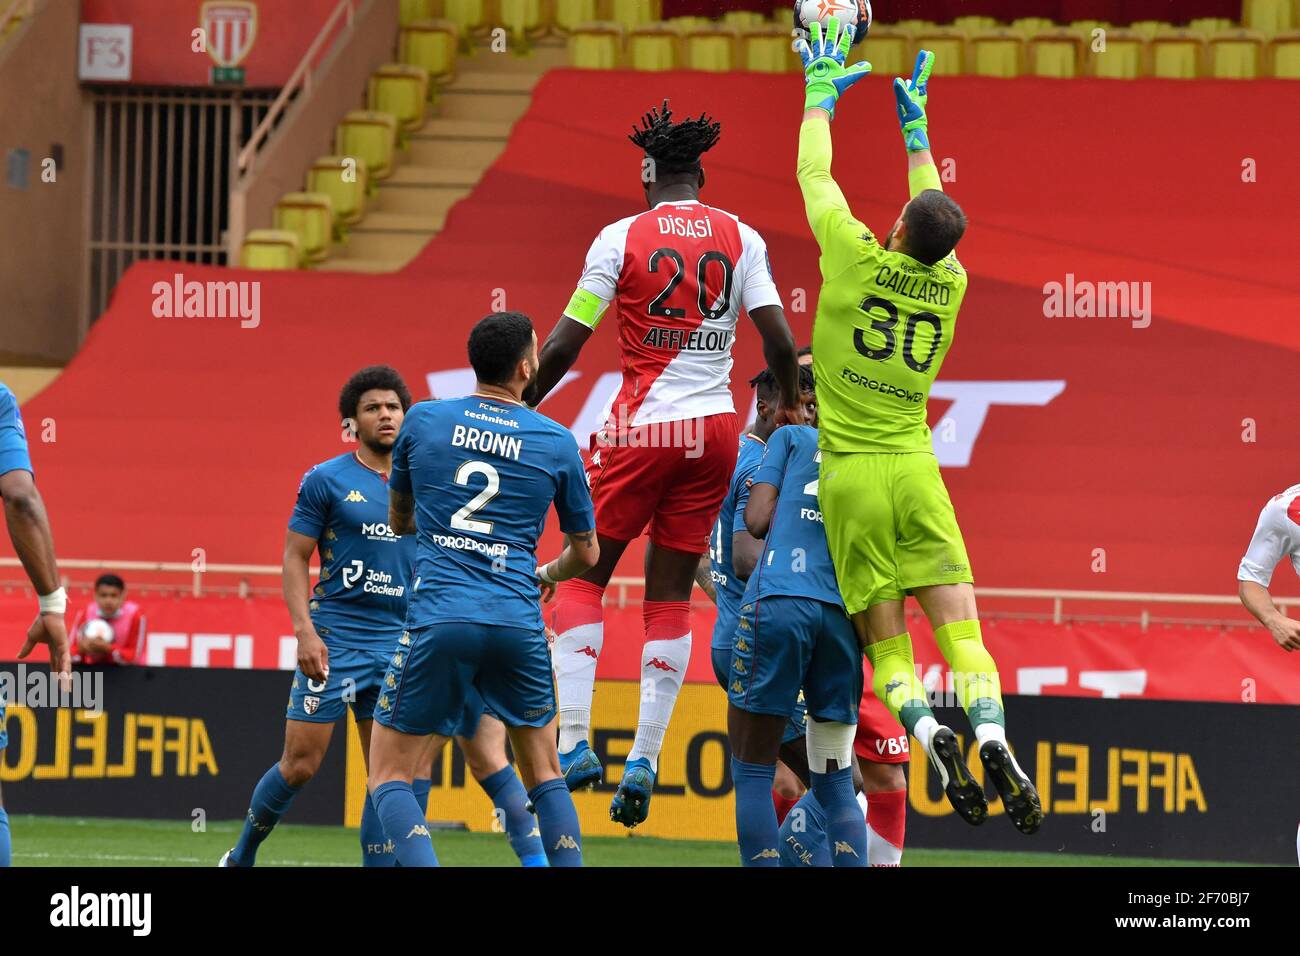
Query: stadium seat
(997, 53)
(269, 249)
(1268, 16)
(949, 48)
(766, 49)
(634, 13)
(1028, 26)
(311, 217)
(1148, 29)
(1284, 56)
(1211, 25)
(403, 91)
(743, 18)
(1178, 56)
(570, 14)
(409, 11)
(1238, 55)
(889, 50)
(684, 25)
(470, 17)
(974, 24)
(712, 50)
(1085, 28)
(653, 47)
(916, 26)
(1056, 53)
(431, 44)
(346, 187)
(1124, 56)
(596, 45)
(522, 19)
(370, 136)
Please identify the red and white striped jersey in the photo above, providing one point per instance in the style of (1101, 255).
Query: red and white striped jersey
(1277, 536)
(680, 274)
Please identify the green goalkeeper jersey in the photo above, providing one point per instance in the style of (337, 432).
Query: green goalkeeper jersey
(884, 320)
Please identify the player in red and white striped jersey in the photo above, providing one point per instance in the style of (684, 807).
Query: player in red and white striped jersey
(677, 277)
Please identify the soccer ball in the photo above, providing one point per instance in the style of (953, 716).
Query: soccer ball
(857, 12)
(98, 629)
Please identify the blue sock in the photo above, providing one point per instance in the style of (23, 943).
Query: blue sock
(271, 798)
(5, 858)
(511, 802)
(756, 831)
(376, 849)
(421, 787)
(558, 821)
(404, 824)
(846, 828)
(803, 834)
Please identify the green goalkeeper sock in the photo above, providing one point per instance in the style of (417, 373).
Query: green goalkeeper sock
(896, 684)
(975, 677)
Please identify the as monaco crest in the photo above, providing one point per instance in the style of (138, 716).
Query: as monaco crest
(231, 28)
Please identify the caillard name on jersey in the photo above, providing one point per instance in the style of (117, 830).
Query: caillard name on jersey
(681, 226)
(914, 287)
(490, 443)
(688, 340)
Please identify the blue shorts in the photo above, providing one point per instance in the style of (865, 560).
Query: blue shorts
(794, 729)
(450, 668)
(784, 643)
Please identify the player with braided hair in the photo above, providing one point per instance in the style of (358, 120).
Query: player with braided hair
(680, 274)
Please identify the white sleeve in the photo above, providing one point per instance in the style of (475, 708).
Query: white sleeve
(1274, 539)
(598, 284)
(757, 287)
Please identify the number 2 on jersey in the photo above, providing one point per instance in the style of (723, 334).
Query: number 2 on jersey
(463, 520)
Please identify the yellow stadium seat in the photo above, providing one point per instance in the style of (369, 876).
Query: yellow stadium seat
(596, 45)
(1178, 56)
(974, 24)
(634, 13)
(652, 47)
(915, 26)
(949, 47)
(766, 49)
(684, 25)
(712, 50)
(888, 50)
(1056, 53)
(431, 44)
(1148, 29)
(369, 136)
(997, 53)
(410, 11)
(743, 18)
(1268, 16)
(311, 216)
(1284, 56)
(403, 91)
(1123, 56)
(1211, 25)
(270, 249)
(470, 17)
(344, 180)
(1028, 26)
(1085, 28)
(570, 14)
(522, 18)
(1238, 55)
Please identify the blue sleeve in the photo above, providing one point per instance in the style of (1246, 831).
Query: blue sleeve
(744, 481)
(311, 511)
(399, 478)
(572, 496)
(779, 446)
(13, 437)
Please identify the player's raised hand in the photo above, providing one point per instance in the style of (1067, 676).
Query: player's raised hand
(912, 96)
(49, 629)
(825, 74)
(313, 656)
(1287, 634)
(791, 415)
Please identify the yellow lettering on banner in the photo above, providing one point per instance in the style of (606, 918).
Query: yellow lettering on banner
(95, 743)
(153, 745)
(1163, 779)
(127, 767)
(1043, 775)
(1076, 778)
(202, 755)
(176, 740)
(1189, 785)
(1138, 778)
(58, 769)
(27, 752)
(1111, 803)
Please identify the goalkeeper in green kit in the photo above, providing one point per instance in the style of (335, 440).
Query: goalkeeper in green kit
(885, 320)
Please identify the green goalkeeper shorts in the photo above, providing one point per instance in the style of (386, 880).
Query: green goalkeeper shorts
(890, 526)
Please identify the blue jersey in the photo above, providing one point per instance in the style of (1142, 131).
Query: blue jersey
(365, 569)
(796, 561)
(13, 437)
(731, 519)
(483, 473)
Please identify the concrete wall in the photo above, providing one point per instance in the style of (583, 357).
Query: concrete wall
(42, 241)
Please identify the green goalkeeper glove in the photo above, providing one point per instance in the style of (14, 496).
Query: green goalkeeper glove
(824, 69)
(912, 95)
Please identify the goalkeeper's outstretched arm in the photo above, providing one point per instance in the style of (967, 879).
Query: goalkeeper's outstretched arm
(912, 96)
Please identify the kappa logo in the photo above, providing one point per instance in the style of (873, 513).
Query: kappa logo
(566, 842)
(311, 705)
(740, 667)
(405, 639)
(355, 497)
(737, 687)
(742, 646)
(892, 686)
(656, 662)
(842, 847)
(766, 855)
(398, 659)
(589, 651)
(383, 702)
(418, 830)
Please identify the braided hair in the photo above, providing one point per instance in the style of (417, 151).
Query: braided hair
(676, 148)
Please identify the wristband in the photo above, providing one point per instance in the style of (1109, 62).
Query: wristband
(56, 602)
(544, 575)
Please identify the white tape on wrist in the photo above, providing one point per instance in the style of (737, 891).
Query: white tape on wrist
(56, 602)
(544, 575)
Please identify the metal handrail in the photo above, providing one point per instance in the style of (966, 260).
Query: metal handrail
(11, 12)
(301, 77)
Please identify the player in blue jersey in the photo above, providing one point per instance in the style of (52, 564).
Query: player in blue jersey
(791, 633)
(347, 624)
(474, 478)
(29, 531)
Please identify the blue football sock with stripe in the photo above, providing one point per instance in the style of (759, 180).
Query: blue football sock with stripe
(756, 831)
(404, 824)
(846, 827)
(5, 849)
(803, 834)
(271, 799)
(376, 850)
(511, 802)
(558, 821)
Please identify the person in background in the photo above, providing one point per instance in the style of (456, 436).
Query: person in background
(125, 638)
(805, 356)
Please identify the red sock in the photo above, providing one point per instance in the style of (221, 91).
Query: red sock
(783, 806)
(887, 819)
(577, 602)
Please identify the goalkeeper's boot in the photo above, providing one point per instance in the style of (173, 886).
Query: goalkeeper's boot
(581, 767)
(964, 793)
(1016, 790)
(631, 804)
